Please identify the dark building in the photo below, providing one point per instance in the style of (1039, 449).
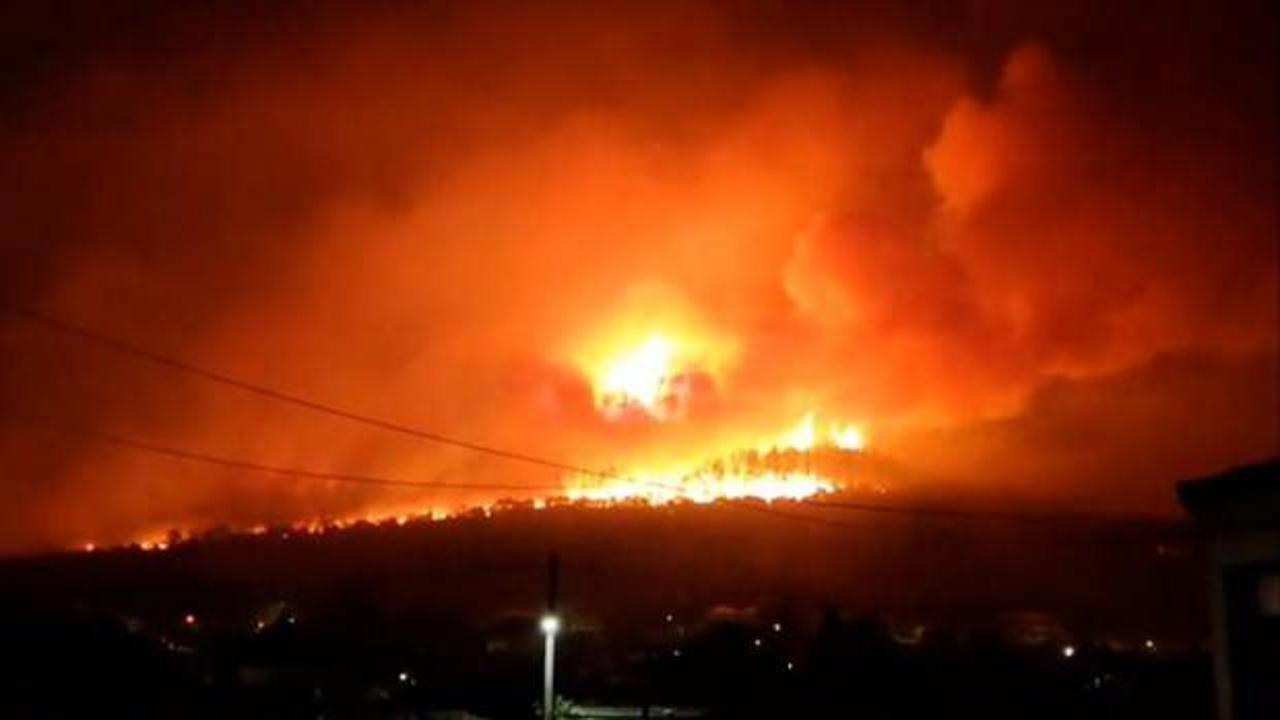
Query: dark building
(1238, 515)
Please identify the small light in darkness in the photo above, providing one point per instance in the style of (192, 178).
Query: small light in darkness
(550, 624)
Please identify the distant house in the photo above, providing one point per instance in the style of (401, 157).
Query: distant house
(1238, 515)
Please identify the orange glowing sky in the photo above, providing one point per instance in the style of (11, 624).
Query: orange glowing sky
(1021, 252)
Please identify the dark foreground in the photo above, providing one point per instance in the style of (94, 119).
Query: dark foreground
(736, 614)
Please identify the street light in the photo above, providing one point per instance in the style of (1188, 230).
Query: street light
(550, 626)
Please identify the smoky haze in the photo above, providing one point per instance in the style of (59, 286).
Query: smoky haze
(1033, 252)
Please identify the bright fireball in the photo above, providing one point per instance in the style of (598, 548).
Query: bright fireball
(639, 376)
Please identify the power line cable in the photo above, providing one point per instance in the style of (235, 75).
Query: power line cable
(748, 504)
(237, 464)
(175, 364)
(281, 396)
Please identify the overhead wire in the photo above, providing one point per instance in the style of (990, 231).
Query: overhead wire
(175, 364)
(238, 464)
(172, 363)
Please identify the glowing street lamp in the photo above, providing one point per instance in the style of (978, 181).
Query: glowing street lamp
(550, 626)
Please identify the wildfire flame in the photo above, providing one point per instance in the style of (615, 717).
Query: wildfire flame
(793, 464)
(742, 475)
(848, 438)
(702, 487)
(638, 377)
(805, 436)
(642, 377)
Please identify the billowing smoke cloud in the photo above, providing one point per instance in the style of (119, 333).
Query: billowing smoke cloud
(1070, 242)
(1021, 259)
(1065, 242)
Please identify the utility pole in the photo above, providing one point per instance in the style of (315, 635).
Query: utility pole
(550, 626)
